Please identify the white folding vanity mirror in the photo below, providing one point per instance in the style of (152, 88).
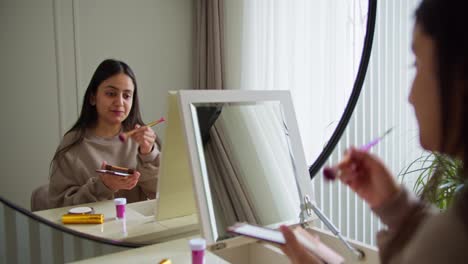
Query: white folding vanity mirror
(245, 151)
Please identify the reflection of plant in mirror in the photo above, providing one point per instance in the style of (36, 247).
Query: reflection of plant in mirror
(438, 178)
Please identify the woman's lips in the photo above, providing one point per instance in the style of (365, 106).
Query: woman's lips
(118, 113)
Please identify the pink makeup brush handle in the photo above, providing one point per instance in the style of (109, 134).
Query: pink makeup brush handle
(369, 145)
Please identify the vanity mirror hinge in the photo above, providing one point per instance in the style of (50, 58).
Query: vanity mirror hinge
(307, 207)
(218, 246)
(306, 210)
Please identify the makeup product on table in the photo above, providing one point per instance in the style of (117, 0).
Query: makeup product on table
(81, 210)
(198, 246)
(120, 207)
(165, 261)
(82, 219)
(331, 173)
(124, 136)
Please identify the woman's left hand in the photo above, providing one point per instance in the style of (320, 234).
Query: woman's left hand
(296, 252)
(145, 137)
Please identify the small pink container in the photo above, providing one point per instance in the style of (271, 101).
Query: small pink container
(120, 207)
(198, 246)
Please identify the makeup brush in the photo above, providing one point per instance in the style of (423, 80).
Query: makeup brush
(124, 136)
(331, 173)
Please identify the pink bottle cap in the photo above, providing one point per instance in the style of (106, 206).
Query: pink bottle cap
(197, 244)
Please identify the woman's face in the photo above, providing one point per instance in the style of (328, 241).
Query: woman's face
(424, 94)
(113, 99)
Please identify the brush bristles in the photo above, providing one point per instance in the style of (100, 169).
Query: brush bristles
(329, 173)
(122, 137)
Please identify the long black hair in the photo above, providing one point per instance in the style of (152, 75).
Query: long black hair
(444, 21)
(88, 115)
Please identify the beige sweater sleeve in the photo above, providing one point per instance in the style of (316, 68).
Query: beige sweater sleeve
(148, 166)
(66, 188)
(74, 180)
(402, 216)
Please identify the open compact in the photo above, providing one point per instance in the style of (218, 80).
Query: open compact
(81, 210)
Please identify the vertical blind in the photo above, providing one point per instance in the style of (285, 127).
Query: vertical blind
(293, 45)
(383, 104)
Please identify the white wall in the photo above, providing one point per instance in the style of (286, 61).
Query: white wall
(233, 30)
(50, 49)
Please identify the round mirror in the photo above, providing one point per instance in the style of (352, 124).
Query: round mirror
(316, 49)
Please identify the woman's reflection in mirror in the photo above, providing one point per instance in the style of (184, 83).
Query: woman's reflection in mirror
(110, 106)
(415, 232)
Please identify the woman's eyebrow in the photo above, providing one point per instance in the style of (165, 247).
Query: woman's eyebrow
(113, 87)
(116, 88)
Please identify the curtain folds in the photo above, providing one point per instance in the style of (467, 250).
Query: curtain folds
(209, 68)
(230, 202)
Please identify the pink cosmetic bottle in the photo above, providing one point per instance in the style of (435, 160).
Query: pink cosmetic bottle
(120, 207)
(198, 245)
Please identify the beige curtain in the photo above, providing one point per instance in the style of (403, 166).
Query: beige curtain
(230, 201)
(209, 68)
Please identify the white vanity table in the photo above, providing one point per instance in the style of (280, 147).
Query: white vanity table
(177, 251)
(143, 228)
(247, 251)
(274, 198)
(139, 225)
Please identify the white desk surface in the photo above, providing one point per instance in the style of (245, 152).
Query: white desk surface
(177, 251)
(139, 225)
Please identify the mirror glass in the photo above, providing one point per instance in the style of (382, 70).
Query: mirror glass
(246, 158)
(248, 164)
(51, 49)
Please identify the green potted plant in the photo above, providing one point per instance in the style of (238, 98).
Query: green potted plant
(438, 178)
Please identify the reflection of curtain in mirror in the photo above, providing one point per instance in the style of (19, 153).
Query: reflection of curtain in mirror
(230, 202)
(209, 72)
(253, 167)
(310, 47)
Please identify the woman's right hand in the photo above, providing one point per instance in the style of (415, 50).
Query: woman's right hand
(295, 251)
(116, 183)
(365, 174)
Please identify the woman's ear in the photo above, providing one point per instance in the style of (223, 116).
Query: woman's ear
(92, 100)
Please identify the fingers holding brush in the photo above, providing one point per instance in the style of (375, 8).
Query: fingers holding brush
(123, 136)
(145, 137)
(365, 174)
(332, 173)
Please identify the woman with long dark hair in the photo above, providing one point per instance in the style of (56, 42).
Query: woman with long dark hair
(110, 107)
(415, 233)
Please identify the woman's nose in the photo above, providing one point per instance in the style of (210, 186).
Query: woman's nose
(119, 100)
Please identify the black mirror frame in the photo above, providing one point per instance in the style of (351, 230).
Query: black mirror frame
(69, 231)
(358, 83)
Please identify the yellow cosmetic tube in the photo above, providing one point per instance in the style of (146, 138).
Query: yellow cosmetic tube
(82, 219)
